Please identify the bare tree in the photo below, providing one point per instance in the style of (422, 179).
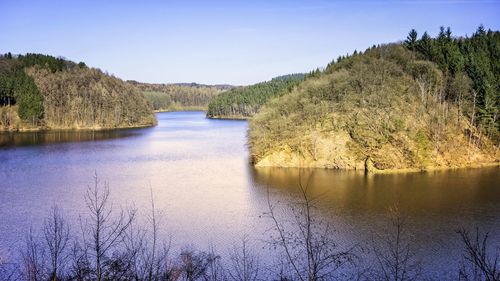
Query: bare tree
(9, 271)
(396, 259)
(308, 243)
(245, 265)
(195, 265)
(102, 231)
(154, 225)
(33, 258)
(56, 233)
(215, 271)
(149, 257)
(80, 267)
(480, 262)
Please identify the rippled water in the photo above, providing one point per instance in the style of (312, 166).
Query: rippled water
(209, 195)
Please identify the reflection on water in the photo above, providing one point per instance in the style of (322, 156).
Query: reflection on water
(436, 205)
(448, 191)
(57, 136)
(209, 195)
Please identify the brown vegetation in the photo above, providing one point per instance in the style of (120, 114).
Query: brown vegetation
(180, 97)
(43, 92)
(378, 111)
(87, 98)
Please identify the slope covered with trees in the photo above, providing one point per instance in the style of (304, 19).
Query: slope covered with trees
(471, 69)
(392, 107)
(244, 102)
(184, 96)
(40, 91)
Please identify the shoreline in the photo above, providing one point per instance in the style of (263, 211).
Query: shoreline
(232, 117)
(393, 171)
(434, 169)
(181, 109)
(73, 129)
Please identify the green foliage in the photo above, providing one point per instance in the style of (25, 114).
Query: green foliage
(246, 101)
(159, 100)
(411, 40)
(169, 97)
(389, 105)
(18, 88)
(7, 78)
(44, 61)
(28, 98)
(63, 94)
(422, 146)
(479, 58)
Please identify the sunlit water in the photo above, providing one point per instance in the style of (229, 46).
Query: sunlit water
(209, 196)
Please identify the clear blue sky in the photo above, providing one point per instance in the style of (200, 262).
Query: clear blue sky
(231, 42)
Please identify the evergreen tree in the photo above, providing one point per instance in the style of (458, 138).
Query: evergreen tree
(424, 46)
(28, 98)
(411, 40)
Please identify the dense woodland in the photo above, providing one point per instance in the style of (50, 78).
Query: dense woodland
(183, 96)
(244, 102)
(40, 91)
(428, 102)
(471, 72)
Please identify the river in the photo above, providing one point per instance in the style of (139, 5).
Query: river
(208, 194)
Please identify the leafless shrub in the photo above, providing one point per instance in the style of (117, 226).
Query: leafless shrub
(33, 259)
(149, 257)
(308, 244)
(56, 233)
(244, 264)
(480, 262)
(102, 231)
(194, 265)
(9, 271)
(395, 258)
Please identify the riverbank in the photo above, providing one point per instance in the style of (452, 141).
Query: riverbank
(182, 109)
(230, 117)
(28, 129)
(366, 166)
(337, 151)
(188, 161)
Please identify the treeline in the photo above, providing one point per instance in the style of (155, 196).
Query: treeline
(390, 107)
(246, 101)
(17, 88)
(471, 68)
(41, 91)
(110, 244)
(184, 96)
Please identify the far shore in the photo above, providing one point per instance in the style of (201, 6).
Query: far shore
(62, 129)
(194, 108)
(396, 171)
(229, 117)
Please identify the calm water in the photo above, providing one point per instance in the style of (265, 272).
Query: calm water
(208, 195)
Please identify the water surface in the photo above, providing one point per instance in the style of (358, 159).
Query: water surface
(209, 195)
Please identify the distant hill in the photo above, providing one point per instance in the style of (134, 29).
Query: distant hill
(40, 91)
(424, 104)
(244, 102)
(180, 96)
(217, 86)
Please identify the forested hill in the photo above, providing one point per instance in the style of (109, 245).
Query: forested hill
(180, 96)
(244, 102)
(39, 91)
(423, 104)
